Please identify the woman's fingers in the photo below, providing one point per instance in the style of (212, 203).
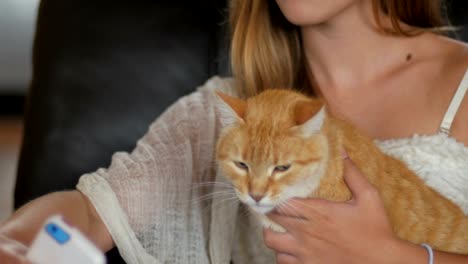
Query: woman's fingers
(12, 251)
(358, 184)
(279, 242)
(326, 231)
(288, 221)
(282, 258)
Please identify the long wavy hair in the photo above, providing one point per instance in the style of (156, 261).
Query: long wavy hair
(266, 50)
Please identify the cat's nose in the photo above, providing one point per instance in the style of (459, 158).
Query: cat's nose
(256, 197)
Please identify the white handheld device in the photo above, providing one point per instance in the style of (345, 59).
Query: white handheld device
(59, 243)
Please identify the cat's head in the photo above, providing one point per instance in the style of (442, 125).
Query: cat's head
(274, 148)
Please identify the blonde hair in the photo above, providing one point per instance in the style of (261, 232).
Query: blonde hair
(266, 49)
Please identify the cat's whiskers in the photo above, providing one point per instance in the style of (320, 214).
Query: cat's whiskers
(202, 185)
(244, 211)
(207, 188)
(213, 195)
(289, 208)
(218, 194)
(214, 204)
(208, 196)
(303, 204)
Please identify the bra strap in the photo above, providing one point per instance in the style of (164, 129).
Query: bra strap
(454, 105)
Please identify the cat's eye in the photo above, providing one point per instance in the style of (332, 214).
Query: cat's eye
(241, 165)
(282, 168)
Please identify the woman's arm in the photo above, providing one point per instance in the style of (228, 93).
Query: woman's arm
(144, 197)
(357, 231)
(411, 253)
(23, 225)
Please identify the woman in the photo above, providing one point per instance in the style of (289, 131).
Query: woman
(359, 56)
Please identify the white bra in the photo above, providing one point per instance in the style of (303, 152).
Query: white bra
(440, 160)
(454, 105)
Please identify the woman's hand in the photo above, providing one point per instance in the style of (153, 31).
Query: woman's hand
(12, 251)
(320, 231)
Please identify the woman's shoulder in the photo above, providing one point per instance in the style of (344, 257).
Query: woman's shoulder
(204, 97)
(218, 83)
(200, 106)
(449, 64)
(457, 65)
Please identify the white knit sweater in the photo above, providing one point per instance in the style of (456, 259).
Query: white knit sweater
(147, 200)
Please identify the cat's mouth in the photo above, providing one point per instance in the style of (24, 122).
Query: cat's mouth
(262, 209)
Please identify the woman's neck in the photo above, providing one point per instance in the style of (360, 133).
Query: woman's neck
(349, 51)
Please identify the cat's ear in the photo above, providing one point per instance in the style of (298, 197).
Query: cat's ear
(232, 109)
(308, 120)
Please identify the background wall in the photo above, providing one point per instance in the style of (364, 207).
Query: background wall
(17, 19)
(17, 23)
(10, 138)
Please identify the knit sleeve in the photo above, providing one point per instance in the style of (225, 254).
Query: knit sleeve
(146, 198)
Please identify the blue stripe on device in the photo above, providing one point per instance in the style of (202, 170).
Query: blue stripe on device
(57, 233)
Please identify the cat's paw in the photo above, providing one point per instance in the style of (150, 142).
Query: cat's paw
(266, 222)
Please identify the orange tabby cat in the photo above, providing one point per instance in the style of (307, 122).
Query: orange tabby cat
(282, 144)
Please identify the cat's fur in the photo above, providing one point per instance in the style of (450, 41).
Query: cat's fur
(282, 127)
